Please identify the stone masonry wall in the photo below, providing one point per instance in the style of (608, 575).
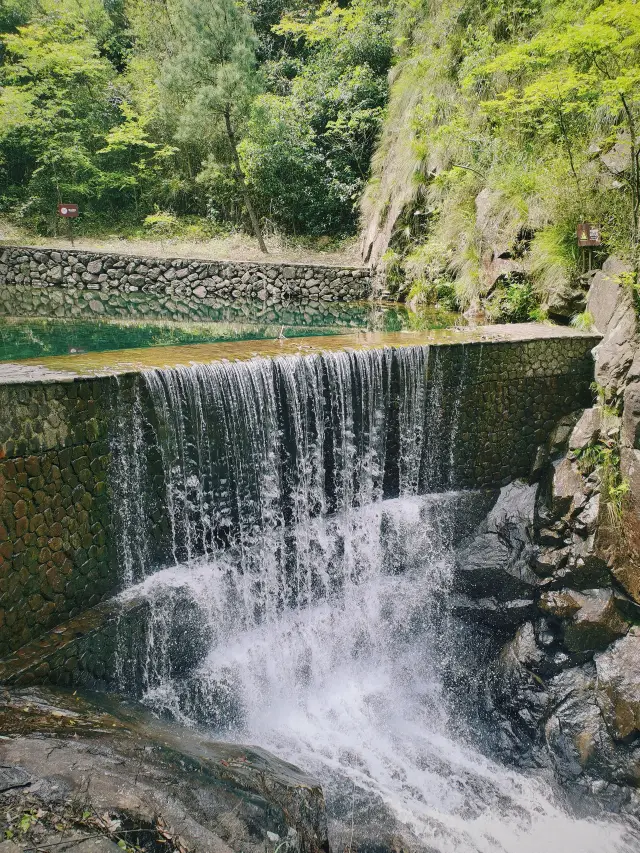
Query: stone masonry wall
(54, 510)
(198, 278)
(58, 556)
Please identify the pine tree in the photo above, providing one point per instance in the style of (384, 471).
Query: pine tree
(213, 74)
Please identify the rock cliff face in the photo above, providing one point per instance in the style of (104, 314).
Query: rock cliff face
(556, 565)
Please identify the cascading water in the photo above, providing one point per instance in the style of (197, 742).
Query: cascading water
(302, 604)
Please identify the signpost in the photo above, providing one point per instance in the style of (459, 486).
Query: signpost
(69, 212)
(588, 236)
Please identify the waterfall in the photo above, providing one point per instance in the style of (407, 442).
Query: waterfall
(216, 453)
(293, 545)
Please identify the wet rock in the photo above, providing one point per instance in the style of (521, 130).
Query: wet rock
(494, 563)
(216, 797)
(505, 615)
(573, 732)
(513, 685)
(549, 560)
(216, 704)
(588, 568)
(595, 623)
(618, 687)
(578, 737)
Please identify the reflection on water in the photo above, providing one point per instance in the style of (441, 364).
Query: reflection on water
(50, 321)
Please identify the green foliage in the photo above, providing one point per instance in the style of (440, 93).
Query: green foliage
(512, 301)
(603, 459)
(583, 321)
(500, 113)
(310, 140)
(122, 107)
(631, 282)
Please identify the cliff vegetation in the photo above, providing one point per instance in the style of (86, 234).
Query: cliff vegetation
(509, 123)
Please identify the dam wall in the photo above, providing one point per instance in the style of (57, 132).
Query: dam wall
(108, 474)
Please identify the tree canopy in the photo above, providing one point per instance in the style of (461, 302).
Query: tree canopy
(230, 113)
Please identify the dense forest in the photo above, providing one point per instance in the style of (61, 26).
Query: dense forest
(467, 138)
(120, 106)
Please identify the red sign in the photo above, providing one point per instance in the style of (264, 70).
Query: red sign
(70, 211)
(588, 234)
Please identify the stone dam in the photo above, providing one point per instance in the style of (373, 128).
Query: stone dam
(201, 279)
(384, 557)
(115, 465)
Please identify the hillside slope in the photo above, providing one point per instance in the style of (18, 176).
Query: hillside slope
(508, 124)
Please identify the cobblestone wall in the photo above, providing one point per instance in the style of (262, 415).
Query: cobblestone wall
(200, 279)
(54, 513)
(58, 556)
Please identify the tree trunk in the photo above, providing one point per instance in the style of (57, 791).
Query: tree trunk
(242, 183)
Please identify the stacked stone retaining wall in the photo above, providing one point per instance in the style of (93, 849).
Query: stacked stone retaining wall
(190, 278)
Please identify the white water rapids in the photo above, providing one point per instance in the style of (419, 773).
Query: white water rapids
(321, 630)
(351, 689)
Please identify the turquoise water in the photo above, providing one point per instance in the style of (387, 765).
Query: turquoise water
(49, 322)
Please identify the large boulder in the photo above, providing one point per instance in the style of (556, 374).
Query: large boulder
(218, 797)
(611, 306)
(618, 688)
(595, 623)
(514, 687)
(574, 730)
(494, 563)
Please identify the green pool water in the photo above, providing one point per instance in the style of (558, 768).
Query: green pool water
(50, 322)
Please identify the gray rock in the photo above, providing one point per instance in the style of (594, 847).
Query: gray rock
(55, 274)
(144, 770)
(618, 686)
(494, 562)
(596, 623)
(630, 433)
(574, 731)
(14, 777)
(567, 484)
(614, 316)
(587, 520)
(587, 430)
(618, 159)
(94, 267)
